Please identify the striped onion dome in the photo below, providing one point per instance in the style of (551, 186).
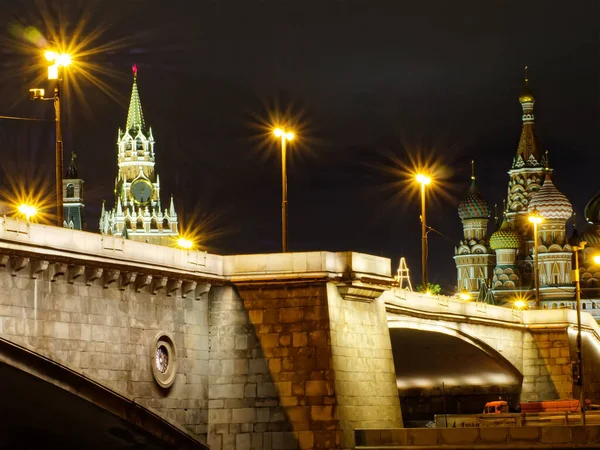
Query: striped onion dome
(550, 203)
(474, 206)
(505, 237)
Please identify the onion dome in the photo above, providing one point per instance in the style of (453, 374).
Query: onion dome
(505, 238)
(550, 203)
(592, 209)
(591, 236)
(474, 205)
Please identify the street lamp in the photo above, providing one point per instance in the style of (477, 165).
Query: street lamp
(28, 211)
(576, 249)
(536, 219)
(423, 180)
(55, 72)
(285, 136)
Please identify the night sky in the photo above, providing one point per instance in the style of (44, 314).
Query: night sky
(368, 84)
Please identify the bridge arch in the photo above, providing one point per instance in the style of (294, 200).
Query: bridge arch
(52, 406)
(499, 370)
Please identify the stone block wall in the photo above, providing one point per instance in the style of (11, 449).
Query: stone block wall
(296, 366)
(106, 331)
(271, 378)
(547, 368)
(363, 363)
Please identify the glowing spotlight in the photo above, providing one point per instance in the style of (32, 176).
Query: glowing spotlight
(289, 136)
(597, 259)
(29, 211)
(465, 296)
(520, 304)
(278, 132)
(184, 243)
(423, 179)
(428, 293)
(535, 218)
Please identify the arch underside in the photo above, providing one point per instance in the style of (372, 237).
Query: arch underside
(46, 405)
(436, 354)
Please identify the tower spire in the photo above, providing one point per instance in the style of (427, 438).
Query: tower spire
(135, 116)
(72, 169)
(528, 150)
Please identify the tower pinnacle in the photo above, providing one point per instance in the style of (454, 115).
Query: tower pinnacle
(135, 116)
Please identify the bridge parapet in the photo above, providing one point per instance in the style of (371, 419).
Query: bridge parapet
(54, 243)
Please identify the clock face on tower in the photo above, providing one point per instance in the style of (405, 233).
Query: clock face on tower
(141, 191)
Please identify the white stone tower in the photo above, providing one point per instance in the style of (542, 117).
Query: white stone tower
(138, 214)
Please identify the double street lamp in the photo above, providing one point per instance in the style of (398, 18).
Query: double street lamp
(55, 72)
(284, 136)
(423, 180)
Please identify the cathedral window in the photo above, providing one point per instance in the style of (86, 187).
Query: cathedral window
(128, 224)
(166, 224)
(70, 190)
(139, 225)
(153, 224)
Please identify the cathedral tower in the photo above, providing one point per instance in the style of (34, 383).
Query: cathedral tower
(138, 214)
(474, 258)
(528, 168)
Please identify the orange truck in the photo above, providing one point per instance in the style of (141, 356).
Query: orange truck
(568, 405)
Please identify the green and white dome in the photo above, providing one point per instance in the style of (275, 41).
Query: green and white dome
(505, 238)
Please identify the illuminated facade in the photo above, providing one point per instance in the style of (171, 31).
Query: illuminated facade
(138, 213)
(499, 267)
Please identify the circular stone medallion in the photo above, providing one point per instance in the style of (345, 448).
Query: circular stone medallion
(164, 360)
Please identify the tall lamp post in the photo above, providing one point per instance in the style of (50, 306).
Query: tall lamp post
(423, 180)
(284, 136)
(55, 72)
(577, 249)
(536, 219)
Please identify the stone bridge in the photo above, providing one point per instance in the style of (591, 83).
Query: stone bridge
(111, 343)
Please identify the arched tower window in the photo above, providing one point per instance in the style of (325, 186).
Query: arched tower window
(153, 224)
(139, 225)
(128, 224)
(70, 190)
(166, 224)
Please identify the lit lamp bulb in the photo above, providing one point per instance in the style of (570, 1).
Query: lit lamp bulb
(184, 243)
(520, 304)
(465, 296)
(27, 210)
(59, 60)
(535, 218)
(287, 135)
(423, 179)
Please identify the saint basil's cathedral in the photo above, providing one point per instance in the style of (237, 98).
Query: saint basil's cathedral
(498, 268)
